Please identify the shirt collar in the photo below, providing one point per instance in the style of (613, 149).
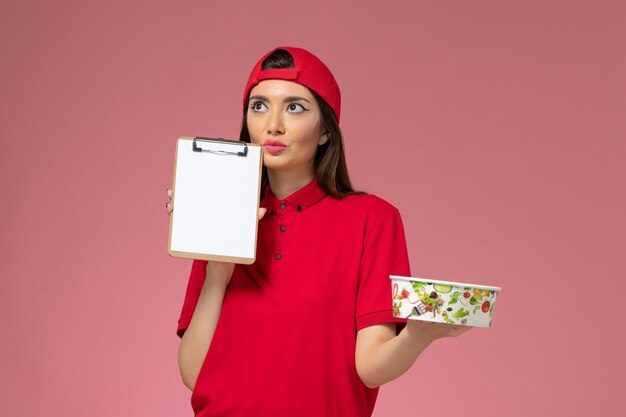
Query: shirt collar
(299, 201)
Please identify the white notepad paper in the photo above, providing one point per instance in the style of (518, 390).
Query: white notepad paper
(216, 198)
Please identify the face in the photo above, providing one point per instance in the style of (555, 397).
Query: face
(284, 117)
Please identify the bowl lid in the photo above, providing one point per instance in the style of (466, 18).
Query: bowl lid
(454, 284)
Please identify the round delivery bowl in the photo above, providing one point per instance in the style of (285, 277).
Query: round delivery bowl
(443, 301)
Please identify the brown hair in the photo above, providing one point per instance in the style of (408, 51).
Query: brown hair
(330, 166)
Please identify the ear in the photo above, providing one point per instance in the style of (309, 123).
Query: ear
(325, 138)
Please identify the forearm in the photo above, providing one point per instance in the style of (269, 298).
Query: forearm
(197, 338)
(387, 361)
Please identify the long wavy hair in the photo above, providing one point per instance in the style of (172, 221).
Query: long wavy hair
(330, 166)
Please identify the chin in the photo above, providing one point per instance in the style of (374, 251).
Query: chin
(277, 168)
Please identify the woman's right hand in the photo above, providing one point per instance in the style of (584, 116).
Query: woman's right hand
(169, 205)
(221, 272)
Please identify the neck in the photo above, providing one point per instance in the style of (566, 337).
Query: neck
(283, 184)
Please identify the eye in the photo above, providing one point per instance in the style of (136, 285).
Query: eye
(258, 106)
(295, 108)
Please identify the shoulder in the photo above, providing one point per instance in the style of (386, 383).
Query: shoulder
(367, 206)
(369, 201)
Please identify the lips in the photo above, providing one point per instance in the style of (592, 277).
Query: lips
(274, 146)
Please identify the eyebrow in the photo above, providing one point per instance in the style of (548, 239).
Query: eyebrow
(289, 99)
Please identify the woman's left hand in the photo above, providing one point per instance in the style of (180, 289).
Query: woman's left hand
(426, 331)
(381, 356)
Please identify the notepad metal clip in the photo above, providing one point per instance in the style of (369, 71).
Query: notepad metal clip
(196, 148)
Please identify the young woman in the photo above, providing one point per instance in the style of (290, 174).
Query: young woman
(307, 330)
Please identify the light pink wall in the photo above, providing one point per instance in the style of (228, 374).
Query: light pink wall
(497, 129)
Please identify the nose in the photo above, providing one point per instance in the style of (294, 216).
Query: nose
(275, 124)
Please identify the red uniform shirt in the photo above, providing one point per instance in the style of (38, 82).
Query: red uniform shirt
(285, 341)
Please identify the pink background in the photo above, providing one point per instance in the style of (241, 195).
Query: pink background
(497, 128)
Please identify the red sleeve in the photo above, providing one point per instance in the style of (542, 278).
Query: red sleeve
(194, 287)
(384, 253)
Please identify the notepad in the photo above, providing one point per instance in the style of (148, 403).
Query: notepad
(216, 193)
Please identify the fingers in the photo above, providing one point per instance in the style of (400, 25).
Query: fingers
(435, 331)
(458, 330)
(261, 212)
(169, 206)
